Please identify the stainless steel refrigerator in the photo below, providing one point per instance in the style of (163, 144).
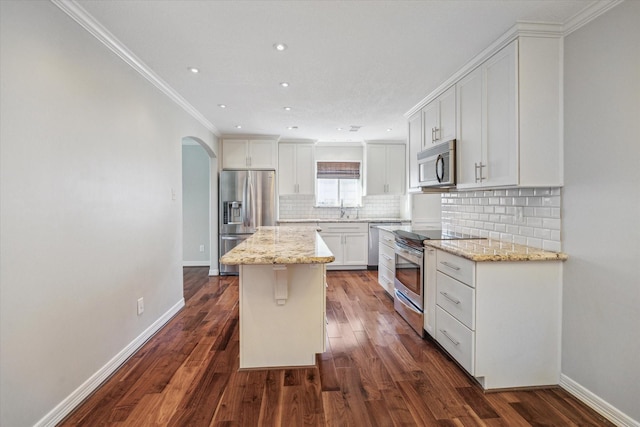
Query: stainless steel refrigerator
(247, 201)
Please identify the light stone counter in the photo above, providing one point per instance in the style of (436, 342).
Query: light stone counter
(494, 250)
(321, 220)
(280, 245)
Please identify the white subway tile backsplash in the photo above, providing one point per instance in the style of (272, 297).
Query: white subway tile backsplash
(302, 207)
(497, 215)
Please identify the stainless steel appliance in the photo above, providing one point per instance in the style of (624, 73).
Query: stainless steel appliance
(247, 201)
(374, 241)
(409, 274)
(437, 166)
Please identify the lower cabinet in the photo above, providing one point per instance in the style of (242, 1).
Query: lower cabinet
(349, 244)
(499, 320)
(386, 261)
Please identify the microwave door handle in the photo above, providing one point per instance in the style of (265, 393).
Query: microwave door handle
(440, 171)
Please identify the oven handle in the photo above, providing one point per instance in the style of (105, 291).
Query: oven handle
(406, 302)
(411, 252)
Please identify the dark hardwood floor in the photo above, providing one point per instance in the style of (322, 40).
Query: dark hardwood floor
(375, 372)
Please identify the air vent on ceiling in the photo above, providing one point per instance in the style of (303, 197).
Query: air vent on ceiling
(354, 128)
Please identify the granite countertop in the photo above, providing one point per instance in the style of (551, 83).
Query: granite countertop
(494, 250)
(280, 245)
(293, 221)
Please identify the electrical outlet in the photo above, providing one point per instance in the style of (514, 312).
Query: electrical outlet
(201, 248)
(140, 306)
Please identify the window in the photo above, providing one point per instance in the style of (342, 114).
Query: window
(338, 184)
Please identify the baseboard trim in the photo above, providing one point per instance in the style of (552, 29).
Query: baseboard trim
(597, 403)
(65, 407)
(214, 272)
(196, 263)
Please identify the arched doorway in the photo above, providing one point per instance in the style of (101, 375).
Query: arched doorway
(199, 205)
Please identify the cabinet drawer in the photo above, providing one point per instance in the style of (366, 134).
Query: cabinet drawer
(456, 338)
(457, 267)
(457, 299)
(387, 238)
(386, 257)
(385, 278)
(344, 227)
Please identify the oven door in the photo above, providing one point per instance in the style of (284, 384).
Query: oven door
(408, 274)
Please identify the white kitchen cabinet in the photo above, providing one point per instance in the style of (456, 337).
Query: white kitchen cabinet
(414, 139)
(386, 261)
(296, 168)
(500, 320)
(385, 169)
(509, 130)
(429, 277)
(349, 244)
(439, 119)
(249, 154)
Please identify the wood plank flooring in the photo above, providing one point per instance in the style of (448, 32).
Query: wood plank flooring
(375, 372)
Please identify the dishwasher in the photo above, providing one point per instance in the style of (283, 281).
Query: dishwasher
(374, 232)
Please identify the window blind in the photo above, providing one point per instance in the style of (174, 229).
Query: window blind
(338, 170)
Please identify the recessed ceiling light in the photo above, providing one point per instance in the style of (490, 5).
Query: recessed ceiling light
(194, 70)
(280, 47)
(284, 84)
(222, 106)
(389, 129)
(287, 108)
(292, 127)
(340, 128)
(238, 127)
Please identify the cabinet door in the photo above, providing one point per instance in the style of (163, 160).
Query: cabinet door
(305, 169)
(262, 154)
(430, 124)
(430, 269)
(469, 141)
(415, 146)
(501, 140)
(376, 168)
(334, 243)
(286, 169)
(234, 154)
(356, 249)
(395, 170)
(447, 126)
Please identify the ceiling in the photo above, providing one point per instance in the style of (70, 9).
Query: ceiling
(348, 63)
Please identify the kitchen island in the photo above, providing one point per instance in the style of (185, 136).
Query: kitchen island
(282, 296)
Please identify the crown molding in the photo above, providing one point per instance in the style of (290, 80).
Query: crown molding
(89, 23)
(588, 14)
(520, 29)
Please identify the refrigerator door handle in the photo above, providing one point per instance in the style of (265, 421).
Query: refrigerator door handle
(245, 204)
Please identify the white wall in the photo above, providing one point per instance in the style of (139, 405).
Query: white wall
(195, 205)
(90, 155)
(601, 208)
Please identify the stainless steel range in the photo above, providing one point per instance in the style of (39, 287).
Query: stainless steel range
(409, 273)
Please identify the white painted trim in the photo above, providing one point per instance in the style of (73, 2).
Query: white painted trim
(597, 403)
(205, 263)
(531, 29)
(65, 407)
(214, 272)
(89, 23)
(588, 14)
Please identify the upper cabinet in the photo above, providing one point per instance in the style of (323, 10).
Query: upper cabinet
(296, 168)
(509, 122)
(439, 119)
(414, 140)
(249, 153)
(385, 169)
(507, 115)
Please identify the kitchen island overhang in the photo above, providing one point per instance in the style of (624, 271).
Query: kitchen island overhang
(282, 296)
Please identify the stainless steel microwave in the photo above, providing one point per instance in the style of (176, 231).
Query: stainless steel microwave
(437, 166)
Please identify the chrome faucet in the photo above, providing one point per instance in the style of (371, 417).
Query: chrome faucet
(342, 209)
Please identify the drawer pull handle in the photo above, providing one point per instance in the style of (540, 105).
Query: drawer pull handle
(447, 296)
(456, 343)
(453, 267)
(387, 257)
